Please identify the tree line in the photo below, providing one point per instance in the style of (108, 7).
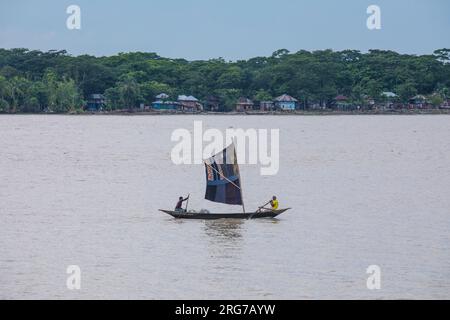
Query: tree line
(36, 81)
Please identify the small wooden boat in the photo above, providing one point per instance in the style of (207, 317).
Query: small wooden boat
(223, 185)
(215, 216)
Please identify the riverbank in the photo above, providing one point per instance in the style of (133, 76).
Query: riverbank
(251, 113)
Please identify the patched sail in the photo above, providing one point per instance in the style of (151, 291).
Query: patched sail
(222, 177)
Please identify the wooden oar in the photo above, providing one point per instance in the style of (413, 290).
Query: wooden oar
(187, 201)
(258, 211)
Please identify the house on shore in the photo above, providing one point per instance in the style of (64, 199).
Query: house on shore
(162, 96)
(389, 95)
(342, 103)
(189, 103)
(370, 102)
(286, 103)
(445, 104)
(244, 104)
(163, 103)
(96, 102)
(418, 102)
(389, 98)
(212, 104)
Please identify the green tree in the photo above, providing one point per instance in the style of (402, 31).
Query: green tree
(229, 97)
(37, 98)
(150, 89)
(67, 96)
(112, 96)
(50, 81)
(262, 95)
(436, 100)
(233, 77)
(129, 92)
(31, 80)
(32, 105)
(4, 105)
(406, 91)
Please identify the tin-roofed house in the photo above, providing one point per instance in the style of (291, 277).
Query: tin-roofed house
(389, 98)
(163, 103)
(96, 102)
(212, 103)
(341, 103)
(244, 104)
(162, 96)
(189, 103)
(286, 103)
(445, 104)
(419, 102)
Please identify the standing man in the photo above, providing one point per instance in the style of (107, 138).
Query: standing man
(180, 203)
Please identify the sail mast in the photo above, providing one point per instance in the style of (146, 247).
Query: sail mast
(239, 174)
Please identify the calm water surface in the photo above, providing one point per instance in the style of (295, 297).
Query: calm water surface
(85, 190)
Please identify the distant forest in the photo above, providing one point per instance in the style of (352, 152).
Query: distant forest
(35, 81)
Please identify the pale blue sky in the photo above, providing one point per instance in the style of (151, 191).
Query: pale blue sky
(232, 29)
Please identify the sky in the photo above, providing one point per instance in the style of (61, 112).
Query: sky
(231, 29)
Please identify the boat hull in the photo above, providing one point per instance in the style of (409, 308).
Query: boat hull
(215, 216)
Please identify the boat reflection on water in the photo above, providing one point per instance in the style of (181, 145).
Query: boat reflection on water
(225, 244)
(231, 229)
(228, 231)
(224, 229)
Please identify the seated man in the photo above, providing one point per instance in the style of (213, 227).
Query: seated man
(274, 203)
(178, 207)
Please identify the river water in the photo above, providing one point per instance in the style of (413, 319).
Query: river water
(85, 191)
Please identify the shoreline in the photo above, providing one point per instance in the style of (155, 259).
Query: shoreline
(248, 113)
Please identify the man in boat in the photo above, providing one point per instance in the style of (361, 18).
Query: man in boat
(273, 204)
(180, 203)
